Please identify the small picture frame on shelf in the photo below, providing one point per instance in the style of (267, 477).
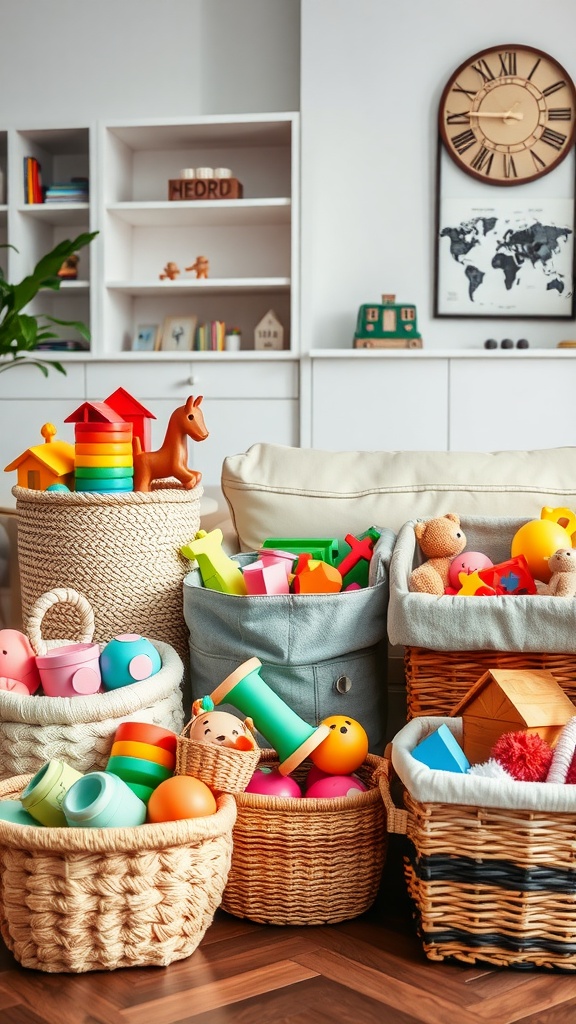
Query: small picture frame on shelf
(178, 333)
(145, 338)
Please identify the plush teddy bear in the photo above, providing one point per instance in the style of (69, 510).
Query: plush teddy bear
(562, 565)
(440, 540)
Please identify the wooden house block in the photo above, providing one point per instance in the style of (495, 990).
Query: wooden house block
(441, 750)
(45, 464)
(511, 700)
(94, 412)
(131, 411)
(269, 332)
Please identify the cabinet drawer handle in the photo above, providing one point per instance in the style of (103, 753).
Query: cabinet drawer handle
(193, 380)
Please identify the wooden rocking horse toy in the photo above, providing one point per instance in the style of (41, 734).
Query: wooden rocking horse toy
(171, 460)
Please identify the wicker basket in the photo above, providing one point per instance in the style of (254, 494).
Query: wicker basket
(308, 861)
(78, 899)
(436, 681)
(80, 730)
(489, 884)
(120, 550)
(222, 769)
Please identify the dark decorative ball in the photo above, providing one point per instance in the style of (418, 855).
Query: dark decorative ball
(522, 343)
(491, 343)
(507, 343)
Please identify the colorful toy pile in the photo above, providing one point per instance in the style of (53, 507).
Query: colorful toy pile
(103, 457)
(286, 565)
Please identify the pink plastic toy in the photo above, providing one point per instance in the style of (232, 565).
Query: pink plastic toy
(70, 671)
(18, 669)
(269, 782)
(468, 561)
(260, 578)
(336, 785)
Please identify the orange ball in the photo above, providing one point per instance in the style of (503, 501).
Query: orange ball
(344, 749)
(181, 796)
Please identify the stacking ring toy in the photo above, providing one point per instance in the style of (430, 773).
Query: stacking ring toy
(146, 751)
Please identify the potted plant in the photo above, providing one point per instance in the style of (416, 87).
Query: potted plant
(21, 333)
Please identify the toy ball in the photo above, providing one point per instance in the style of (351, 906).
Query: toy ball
(537, 541)
(269, 782)
(57, 487)
(127, 659)
(181, 796)
(336, 785)
(468, 561)
(314, 775)
(223, 729)
(344, 749)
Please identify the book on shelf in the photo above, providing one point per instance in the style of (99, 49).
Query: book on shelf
(74, 191)
(63, 345)
(33, 192)
(210, 336)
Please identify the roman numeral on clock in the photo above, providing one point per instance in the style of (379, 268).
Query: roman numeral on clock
(507, 63)
(463, 141)
(483, 69)
(483, 160)
(509, 166)
(470, 93)
(560, 114)
(553, 88)
(457, 119)
(552, 138)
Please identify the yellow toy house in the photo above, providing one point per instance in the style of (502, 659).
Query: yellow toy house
(45, 464)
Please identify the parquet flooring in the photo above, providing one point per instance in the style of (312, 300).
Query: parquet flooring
(364, 971)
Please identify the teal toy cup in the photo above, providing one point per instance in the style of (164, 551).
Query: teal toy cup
(101, 800)
(287, 733)
(44, 795)
(12, 810)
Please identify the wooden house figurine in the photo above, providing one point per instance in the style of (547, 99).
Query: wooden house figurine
(511, 700)
(45, 464)
(131, 411)
(269, 332)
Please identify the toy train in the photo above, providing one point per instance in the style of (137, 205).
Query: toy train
(388, 324)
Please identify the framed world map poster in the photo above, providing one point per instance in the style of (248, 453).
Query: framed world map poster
(501, 256)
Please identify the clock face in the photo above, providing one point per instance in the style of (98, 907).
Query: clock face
(508, 114)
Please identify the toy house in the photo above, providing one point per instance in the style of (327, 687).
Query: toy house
(132, 411)
(510, 700)
(387, 324)
(94, 412)
(269, 332)
(45, 464)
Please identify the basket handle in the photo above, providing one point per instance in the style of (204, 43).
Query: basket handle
(60, 595)
(396, 817)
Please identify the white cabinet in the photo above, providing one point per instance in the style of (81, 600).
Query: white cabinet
(361, 401)
(251, 242)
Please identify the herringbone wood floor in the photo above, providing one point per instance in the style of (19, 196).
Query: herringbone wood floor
(360, 972)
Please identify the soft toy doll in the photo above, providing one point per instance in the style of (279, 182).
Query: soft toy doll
(563, 580)
(440, 541)
(221, 728)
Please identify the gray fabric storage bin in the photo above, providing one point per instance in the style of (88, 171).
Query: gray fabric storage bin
(323, 654)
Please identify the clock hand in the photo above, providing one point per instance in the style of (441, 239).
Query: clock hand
(505, 115)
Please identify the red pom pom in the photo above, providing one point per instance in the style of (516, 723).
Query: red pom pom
(571, 773)
(525, 756)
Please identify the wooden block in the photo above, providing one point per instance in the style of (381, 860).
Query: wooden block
(204, 188)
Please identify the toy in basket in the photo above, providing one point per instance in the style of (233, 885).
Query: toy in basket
(68, 894)
(80, 729)
(217, 748)
(489, 863)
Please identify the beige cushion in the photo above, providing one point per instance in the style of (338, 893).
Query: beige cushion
(273, 490)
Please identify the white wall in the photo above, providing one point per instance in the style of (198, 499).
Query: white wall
(84, 60)
(372, 72)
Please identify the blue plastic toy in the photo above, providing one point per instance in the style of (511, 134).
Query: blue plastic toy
(127, 659)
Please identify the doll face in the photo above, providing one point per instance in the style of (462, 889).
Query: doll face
(221, 728)
(468, 561)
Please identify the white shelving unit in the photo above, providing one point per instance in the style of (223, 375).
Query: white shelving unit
(251, 243)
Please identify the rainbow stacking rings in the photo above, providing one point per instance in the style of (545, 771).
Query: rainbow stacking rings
(136, 769)
(143, 756)
(145, 751)
(103, 457)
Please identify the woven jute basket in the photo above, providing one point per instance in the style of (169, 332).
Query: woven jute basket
(80, 730)
(120, 550)
(436, 681)
(489, 885)
(307, 861)
(223, 769)
(81, 899)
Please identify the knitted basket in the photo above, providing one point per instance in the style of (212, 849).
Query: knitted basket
(80, 730)
(222, 769)
(121, 550)
(80, 899)
(307, 861)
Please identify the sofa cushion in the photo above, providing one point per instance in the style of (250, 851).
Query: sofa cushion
(275, 490)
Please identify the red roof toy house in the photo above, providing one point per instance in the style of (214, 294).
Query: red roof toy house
(510, 700)
(131, 411)
(94, 412)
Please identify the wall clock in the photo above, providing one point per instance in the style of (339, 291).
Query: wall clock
(506, 117)
(508, 114)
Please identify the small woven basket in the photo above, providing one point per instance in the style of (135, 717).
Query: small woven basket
(80, 899)
(80, 730)
(436, 681)
(307, 861)
(121, 550)
(222, 769)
